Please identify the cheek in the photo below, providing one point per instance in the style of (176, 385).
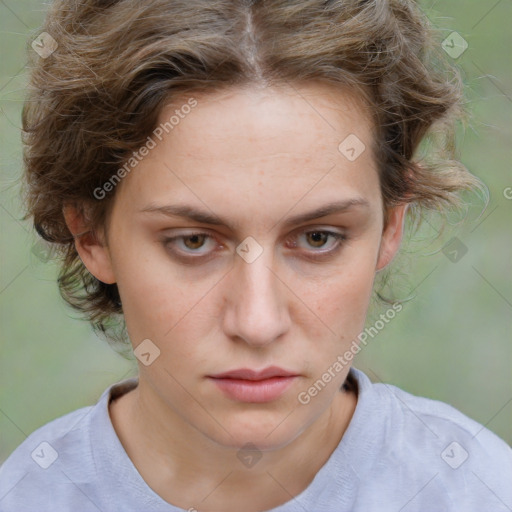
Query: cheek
(158, 306)
(149, 289)
(166, 304)
(342, 307)
(342, 299)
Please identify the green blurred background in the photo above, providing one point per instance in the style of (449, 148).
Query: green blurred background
(451, 343)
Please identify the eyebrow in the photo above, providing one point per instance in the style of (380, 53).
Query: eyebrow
(204, 217)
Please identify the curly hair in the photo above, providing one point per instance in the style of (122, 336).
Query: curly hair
(97, 97)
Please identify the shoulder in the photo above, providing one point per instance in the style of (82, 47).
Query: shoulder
(49, 463)
(425, 442)
(438, 420)
(51, 433)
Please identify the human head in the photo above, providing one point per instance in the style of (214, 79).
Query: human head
(251, 290)
(97, 98)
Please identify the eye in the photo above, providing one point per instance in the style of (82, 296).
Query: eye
(190, 244)
(318, 239)
(198, 245)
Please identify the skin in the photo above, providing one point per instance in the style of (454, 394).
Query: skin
(254, 157)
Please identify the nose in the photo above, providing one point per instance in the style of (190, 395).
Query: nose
(257, 311)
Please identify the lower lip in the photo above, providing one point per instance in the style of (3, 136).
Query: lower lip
(256, 391)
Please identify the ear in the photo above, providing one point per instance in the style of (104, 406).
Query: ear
(93, 251)
(391, 236)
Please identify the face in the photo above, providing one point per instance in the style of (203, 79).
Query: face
(222, 265)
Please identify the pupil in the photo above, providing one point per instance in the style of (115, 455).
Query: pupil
(194, 239)
(317, 236)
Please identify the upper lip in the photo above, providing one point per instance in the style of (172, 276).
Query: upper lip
(248, 374)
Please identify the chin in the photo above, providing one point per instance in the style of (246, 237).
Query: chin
(266, 434)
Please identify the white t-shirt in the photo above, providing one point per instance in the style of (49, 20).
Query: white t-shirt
(400, 453)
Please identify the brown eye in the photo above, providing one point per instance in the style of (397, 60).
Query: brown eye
(317, 238)
(190, 245)
(195, 241)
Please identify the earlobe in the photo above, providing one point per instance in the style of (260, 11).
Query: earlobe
(392, 236)
(93, 252)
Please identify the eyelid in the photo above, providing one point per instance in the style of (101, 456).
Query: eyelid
(167, 239)
(316, 229)
(322, 254)
(340, 238)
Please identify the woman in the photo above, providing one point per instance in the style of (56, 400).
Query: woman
(229, 178)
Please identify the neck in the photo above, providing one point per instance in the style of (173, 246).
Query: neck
(184, 466)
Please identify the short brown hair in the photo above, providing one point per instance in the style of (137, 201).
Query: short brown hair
(96, 99)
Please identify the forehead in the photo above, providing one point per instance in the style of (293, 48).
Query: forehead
(257, 151)
(297, 118)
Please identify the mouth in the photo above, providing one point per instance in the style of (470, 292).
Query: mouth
(254, 386)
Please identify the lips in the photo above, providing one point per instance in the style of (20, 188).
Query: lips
(248, 374)
(256, 386)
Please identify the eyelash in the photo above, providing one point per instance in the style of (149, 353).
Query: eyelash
(339, 237)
